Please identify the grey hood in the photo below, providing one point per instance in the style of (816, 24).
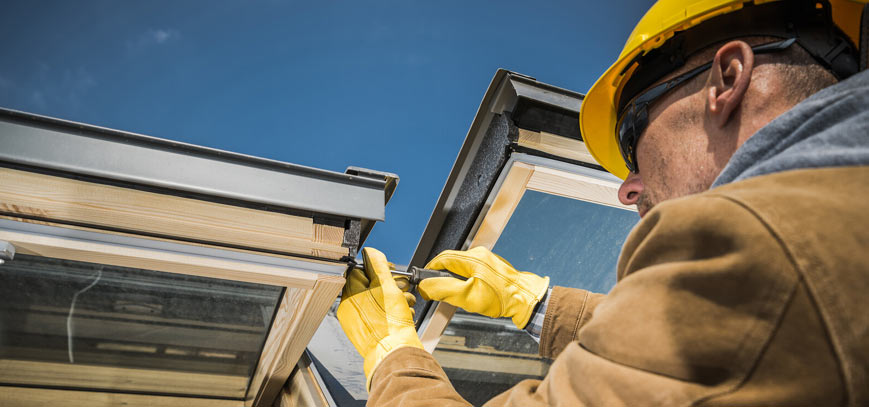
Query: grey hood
(828, 129)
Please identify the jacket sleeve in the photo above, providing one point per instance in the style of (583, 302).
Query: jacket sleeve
(412, 377)
(568, 310)
(703, 284)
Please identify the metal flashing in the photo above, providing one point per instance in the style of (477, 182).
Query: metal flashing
(70, 147)
(7, 251)
(548, 94)
(366, 225)
(521, 86)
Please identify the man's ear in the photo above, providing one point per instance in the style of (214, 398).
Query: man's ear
(728, 80)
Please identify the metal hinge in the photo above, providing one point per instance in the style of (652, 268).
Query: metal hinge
(7, 251)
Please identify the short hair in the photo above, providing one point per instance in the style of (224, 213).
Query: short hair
(802, 74)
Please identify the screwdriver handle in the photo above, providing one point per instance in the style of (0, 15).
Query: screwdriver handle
(418, 274)
(415, 275)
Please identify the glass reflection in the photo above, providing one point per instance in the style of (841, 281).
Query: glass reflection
(79, 322)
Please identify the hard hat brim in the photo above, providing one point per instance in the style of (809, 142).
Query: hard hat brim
(598, 115)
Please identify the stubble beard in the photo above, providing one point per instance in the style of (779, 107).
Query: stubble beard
(648, 199)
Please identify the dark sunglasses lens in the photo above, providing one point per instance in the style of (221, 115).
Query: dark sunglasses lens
(641, 120)
(627, 138)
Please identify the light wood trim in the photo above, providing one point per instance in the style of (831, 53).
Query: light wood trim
(576, 186)
(124, 256)
(556, 145)
(159, 239)
(326, 242)
(33, 397)
(293, 332)
(120, 379)
(509, 195)
(496, 218)
(295, 394)
(437, 323)
(290, 309)
(301, 390)
(63, 199)
(527, 177)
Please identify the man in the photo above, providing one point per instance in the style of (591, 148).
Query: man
(745, 282)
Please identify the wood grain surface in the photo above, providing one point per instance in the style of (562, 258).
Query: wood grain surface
(55, 198)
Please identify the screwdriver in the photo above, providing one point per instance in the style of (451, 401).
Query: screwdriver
(415, 275)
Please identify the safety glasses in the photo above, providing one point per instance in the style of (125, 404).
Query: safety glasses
(635, 116)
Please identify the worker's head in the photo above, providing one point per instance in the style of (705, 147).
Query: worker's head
(693, 129)
(682, 100)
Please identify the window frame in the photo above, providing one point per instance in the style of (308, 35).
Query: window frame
(309, 289)
(523, 127)
(137, 201)
(521, 173)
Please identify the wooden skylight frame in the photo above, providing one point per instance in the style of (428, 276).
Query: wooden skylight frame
(66, 200)
(305, 301)
(524, 173)
(96, 195)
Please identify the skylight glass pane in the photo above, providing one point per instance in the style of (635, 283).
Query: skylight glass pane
(82, 325)
(576, 243)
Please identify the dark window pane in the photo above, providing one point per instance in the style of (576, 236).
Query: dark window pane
(576, 244)
(158, 328)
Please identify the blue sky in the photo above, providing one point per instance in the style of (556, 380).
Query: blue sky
(386, 85)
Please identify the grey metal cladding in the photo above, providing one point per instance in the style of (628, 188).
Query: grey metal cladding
(548, 94)
(7, 251)
(60, 145)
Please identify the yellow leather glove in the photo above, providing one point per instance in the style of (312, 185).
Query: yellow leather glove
(493, 288)
(374, 312)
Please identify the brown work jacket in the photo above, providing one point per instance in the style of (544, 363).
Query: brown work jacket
(754, 293)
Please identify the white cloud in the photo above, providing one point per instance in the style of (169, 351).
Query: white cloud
(161, 36)
(152, 37)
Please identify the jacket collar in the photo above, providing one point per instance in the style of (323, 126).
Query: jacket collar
(828, 129)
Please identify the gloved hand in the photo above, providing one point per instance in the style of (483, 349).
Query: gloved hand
(493, 288)
(374, 312)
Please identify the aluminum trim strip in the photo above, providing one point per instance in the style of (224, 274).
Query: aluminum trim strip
(127, 157)
(547, 94)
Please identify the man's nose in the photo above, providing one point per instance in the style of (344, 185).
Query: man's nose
(631, 189)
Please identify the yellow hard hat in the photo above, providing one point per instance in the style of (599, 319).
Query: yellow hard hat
(669, 18)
